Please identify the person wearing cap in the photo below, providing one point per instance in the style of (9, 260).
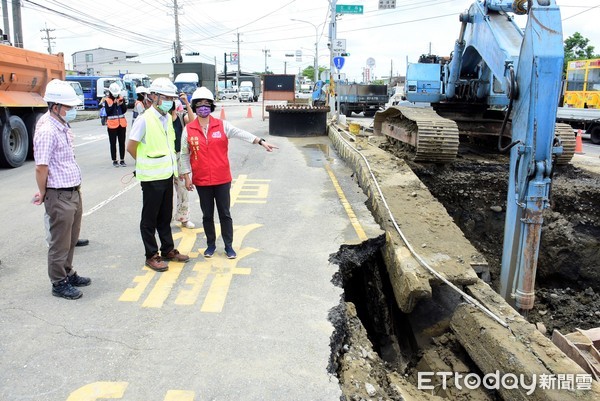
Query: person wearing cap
(152, 145)
(204, 154)
(142, 103)
(58, 178)
(181, 116)
(116, 123)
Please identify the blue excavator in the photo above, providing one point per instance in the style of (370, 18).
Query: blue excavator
(505, 82)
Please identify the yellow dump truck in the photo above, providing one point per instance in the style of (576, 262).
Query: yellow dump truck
(23, 78)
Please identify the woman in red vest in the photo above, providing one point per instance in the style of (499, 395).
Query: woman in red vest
(204, 154)
(116, 123)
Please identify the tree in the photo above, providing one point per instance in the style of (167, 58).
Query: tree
(577, 48)
(308, 72)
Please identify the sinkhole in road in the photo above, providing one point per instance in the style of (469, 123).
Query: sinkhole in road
(377, 348)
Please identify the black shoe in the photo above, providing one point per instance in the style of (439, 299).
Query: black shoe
(64, 289)
(79, 281)
(82, 242)
(115, 163)
(122, 163)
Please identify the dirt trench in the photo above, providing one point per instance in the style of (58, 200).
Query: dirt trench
(473, 191)
(375, 353)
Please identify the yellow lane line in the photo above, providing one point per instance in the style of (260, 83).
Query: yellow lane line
(347, 207)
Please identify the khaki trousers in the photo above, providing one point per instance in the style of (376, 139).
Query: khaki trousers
(65, 210)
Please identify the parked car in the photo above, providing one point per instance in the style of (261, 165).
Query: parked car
(228, 93)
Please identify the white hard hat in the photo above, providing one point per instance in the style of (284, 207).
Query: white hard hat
(203, 93)
(61, 92)
(114, 89)
(141, 89)
(163, 86)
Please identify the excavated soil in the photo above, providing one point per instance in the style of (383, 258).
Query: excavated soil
(374, 352)
(473, 191)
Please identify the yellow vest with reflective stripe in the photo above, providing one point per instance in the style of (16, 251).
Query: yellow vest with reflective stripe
(156, 158)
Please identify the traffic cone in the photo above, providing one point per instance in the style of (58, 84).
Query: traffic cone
(249, 115)
(222, 116)
(578, 143)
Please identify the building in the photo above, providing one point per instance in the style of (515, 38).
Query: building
(98, 61)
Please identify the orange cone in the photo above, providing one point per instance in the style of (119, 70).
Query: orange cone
(249, 115)
(578, 143)
(222, 116)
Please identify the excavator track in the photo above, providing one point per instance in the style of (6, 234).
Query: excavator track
(434, 138)
(566, 135)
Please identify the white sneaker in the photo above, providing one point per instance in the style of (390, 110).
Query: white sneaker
(187, 224)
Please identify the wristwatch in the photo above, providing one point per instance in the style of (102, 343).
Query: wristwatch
(260, 141)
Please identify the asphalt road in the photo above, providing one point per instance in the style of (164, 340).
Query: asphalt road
(255, 328)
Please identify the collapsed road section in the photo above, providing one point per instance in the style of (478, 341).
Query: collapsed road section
(419, 311)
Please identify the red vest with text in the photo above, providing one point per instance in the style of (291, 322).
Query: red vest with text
(209, 153)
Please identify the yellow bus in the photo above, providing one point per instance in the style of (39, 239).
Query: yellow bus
(583, 84)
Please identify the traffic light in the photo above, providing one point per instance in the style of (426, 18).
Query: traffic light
(192, 54)
(345, 54)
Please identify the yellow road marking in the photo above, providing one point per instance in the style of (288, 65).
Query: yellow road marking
(347, 207)
(134, 294)
(214, 275)
(244, 190)
(163, 287)
(99, 390)
(179, 395)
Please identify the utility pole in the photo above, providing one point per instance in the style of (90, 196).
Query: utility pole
(5, 18)
(48, 38)
(332, 37)
(237, 75)
(18, 36)
(225, 68)
(177, 59)
(216, 78)
(267, 53)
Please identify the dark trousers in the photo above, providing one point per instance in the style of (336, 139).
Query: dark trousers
(64, 209)
(157, 210)
(219, 194)
(113, 135)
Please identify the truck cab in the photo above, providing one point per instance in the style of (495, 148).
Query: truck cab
(94, 88)
(79, 91)
(187, 82)
(319, 92)
(246, 93)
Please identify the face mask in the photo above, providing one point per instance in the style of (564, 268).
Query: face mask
(203, 111)
(70, 115)
(165, 106)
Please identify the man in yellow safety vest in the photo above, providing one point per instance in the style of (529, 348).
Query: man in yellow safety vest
(152, 145)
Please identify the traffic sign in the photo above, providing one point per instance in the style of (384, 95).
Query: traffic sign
(338, 62)
(387, 4)
(348, 9)
(339, 45)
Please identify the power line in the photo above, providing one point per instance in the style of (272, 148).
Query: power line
(584, 11)
(98, 24)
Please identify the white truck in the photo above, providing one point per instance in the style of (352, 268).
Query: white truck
(587, 120)
(246, 91)
(187, 82)
(138, 79)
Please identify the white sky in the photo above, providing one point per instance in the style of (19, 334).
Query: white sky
(209, 27)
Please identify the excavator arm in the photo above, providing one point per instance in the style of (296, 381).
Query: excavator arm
(535, 94)
(497, 65)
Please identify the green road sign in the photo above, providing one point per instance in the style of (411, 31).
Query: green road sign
(348, 9)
